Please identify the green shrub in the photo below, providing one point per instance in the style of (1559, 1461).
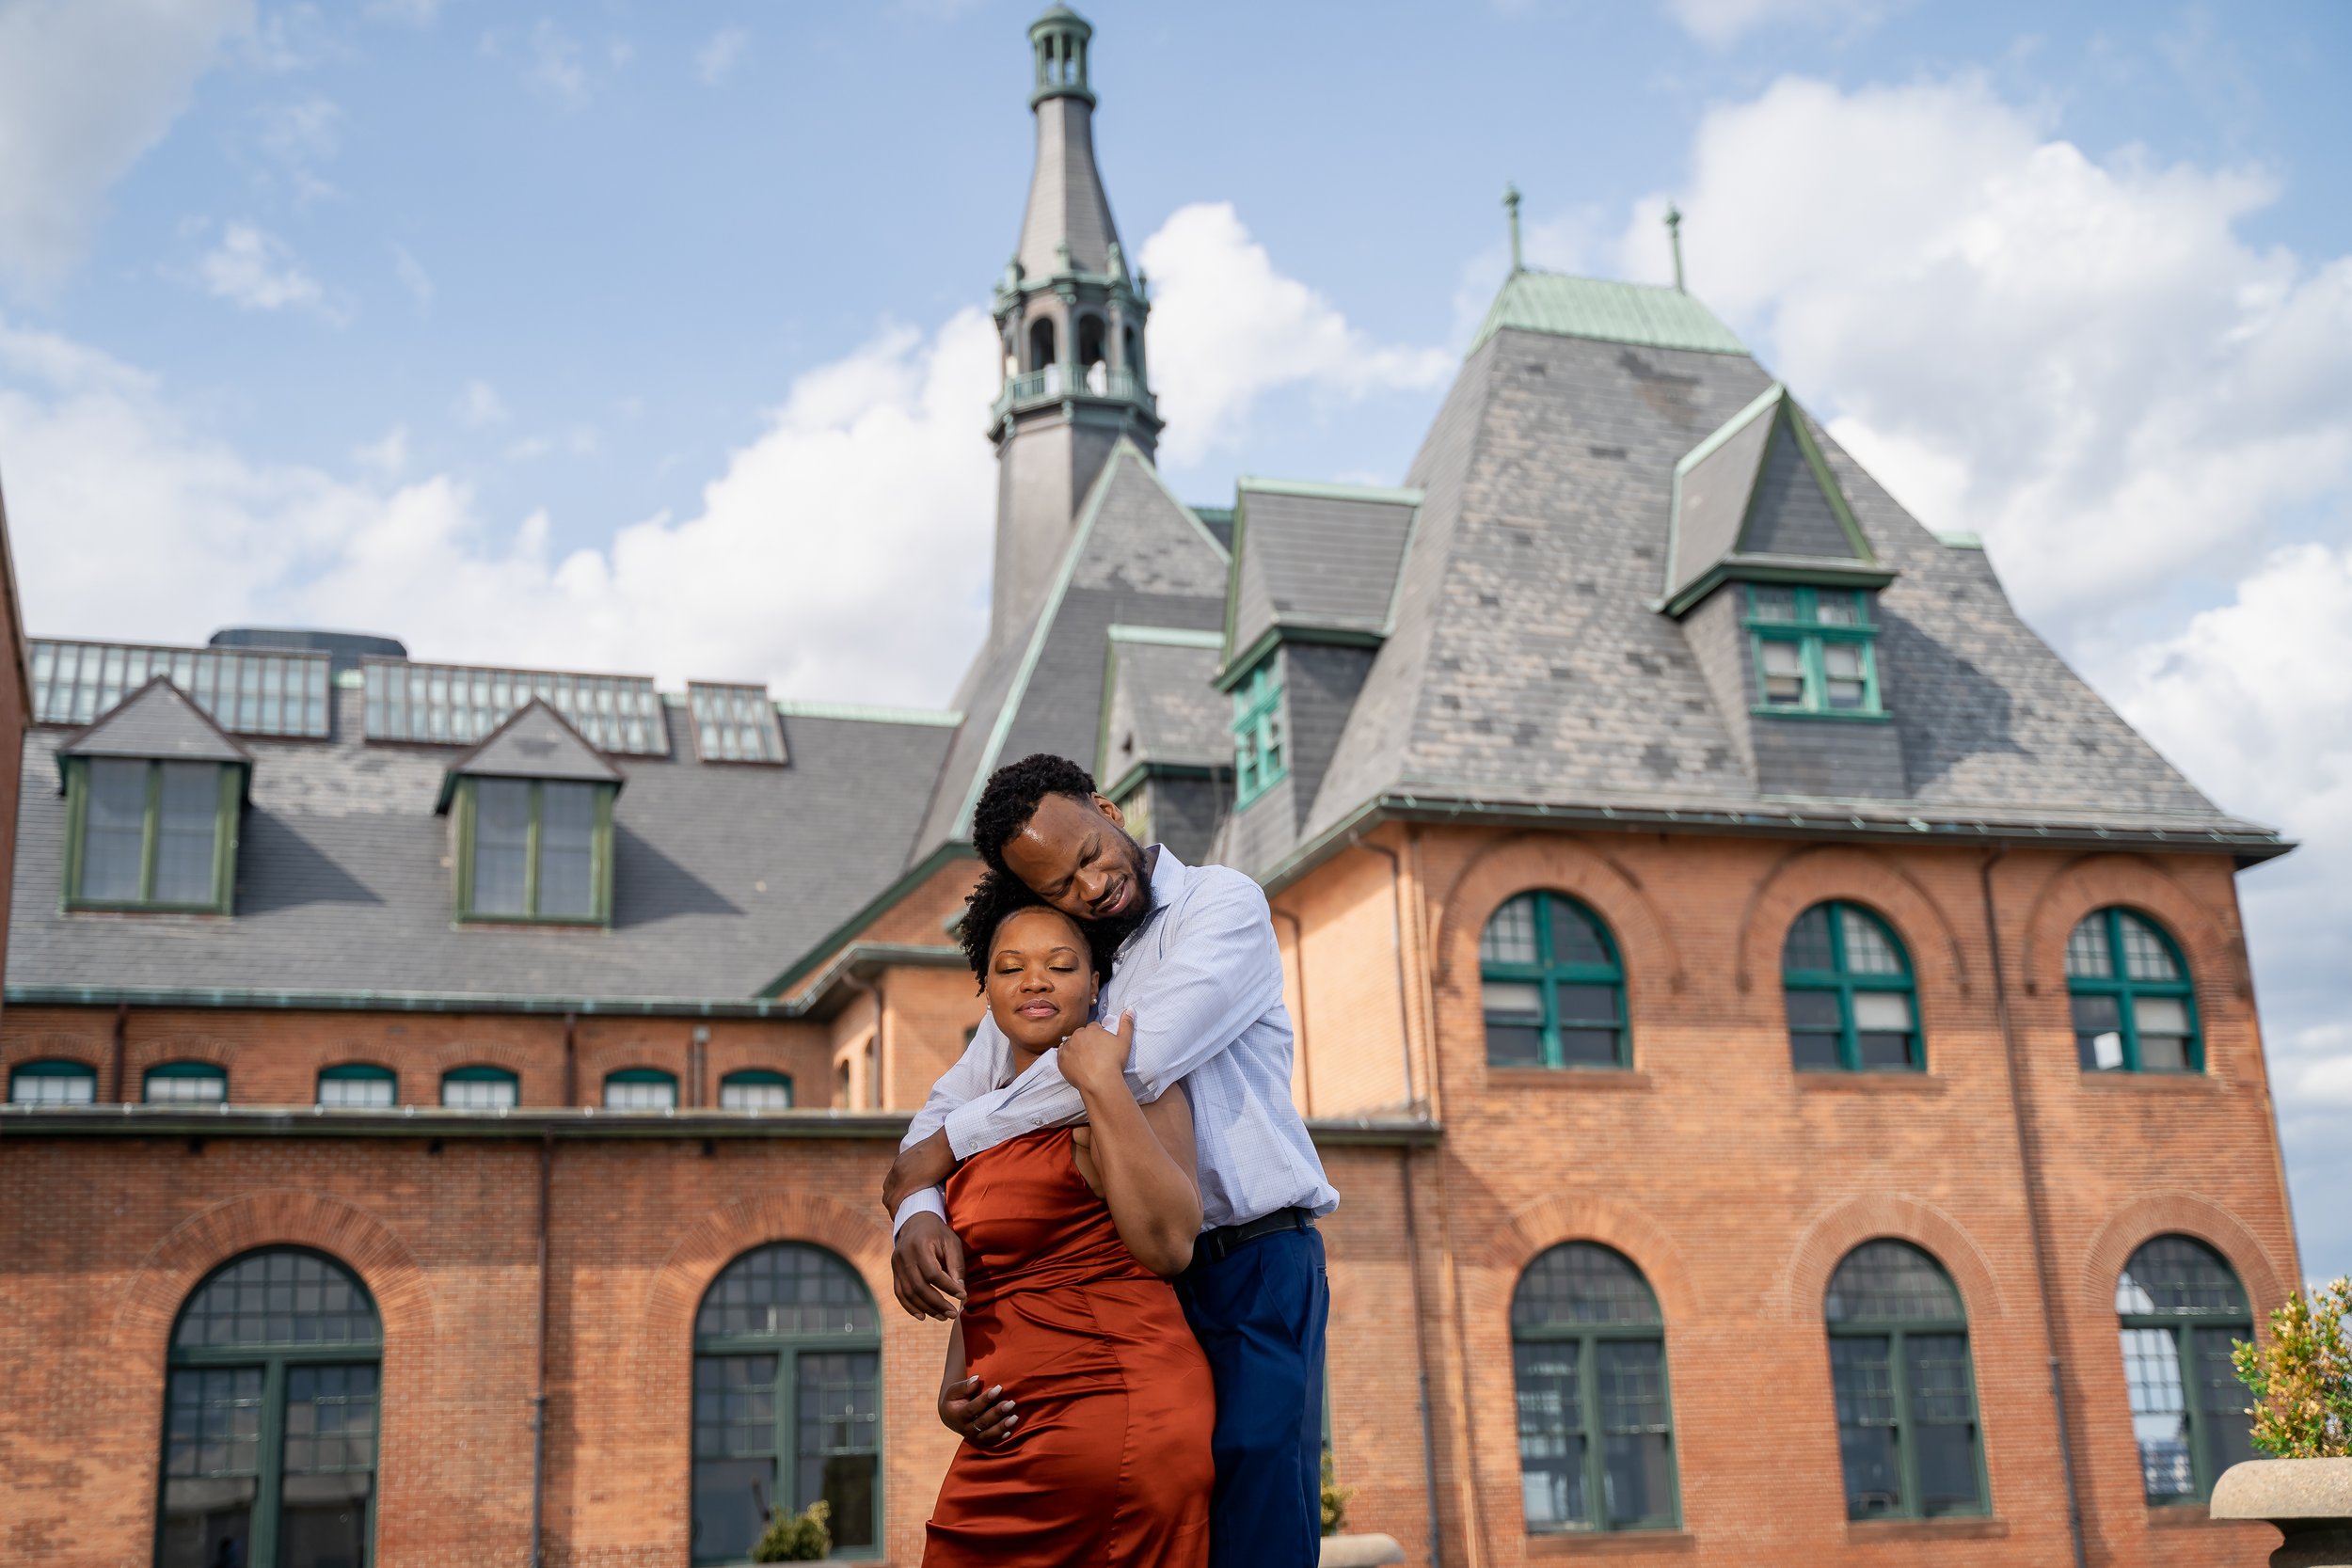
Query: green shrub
(2302, 1380)
(803, 1537)
(1334, 1500)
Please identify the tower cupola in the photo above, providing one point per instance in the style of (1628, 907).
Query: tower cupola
(1070, 318)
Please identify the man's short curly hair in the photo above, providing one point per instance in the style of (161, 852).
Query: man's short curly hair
(996, 897)
(1011, 797)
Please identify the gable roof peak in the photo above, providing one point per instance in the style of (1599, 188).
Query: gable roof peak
(535, 742)
(156, 722)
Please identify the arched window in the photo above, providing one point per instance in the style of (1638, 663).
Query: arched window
(1906, 1393)
(2182, 1308)
(641, 1088)
(1553, 990)
(269, 1418)
(2134, 1010)
(358, 1087)
(478, 1088)
(1850, 1001)
(53, 1083)
(755, 1090)
(787, 1401)
(1588, 1353)
(186, 1084)
(1042, 344)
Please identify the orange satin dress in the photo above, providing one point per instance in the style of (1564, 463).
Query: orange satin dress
(1108, 1465)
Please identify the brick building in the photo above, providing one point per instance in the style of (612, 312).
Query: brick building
(1785, 1047)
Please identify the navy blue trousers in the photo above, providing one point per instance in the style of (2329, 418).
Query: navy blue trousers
(1259, 1313)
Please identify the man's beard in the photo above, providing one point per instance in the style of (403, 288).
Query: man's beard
(1109, 933)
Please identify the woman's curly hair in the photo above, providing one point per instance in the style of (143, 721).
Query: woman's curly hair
(994, 899)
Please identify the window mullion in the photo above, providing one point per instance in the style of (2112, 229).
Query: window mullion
(1596, 1470)
(269, 1484)
(2184, 1342)
(531, 856)
(1906, 1456)
(151, 829)
(787, 1490)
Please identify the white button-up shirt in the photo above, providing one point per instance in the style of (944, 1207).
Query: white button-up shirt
(1204, 979)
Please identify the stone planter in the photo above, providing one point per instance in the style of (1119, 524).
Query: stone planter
(2309, 1500)
(1360, 1551)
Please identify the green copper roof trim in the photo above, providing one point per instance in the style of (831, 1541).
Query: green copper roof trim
(1648, 316)
(1817, 460)
(1237, 669)
(1775, 403)
(1167, 637)
(871, 713)
(1816, 571)
(1321, 490)
(1769, 398)
(1960, 541)
(832, 940)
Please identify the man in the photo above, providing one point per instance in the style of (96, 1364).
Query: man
(1202, 978)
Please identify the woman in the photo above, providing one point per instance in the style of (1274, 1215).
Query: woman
(1085, 1399)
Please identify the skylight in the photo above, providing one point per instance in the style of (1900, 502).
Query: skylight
(734, 723)
(240, 691)
(453, 704)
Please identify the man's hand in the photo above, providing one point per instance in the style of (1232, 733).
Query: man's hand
(926, 1164)
(1094, 1059)
(926, 1269)
(981, 1416)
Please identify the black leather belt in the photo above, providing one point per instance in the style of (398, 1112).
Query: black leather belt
(1217, 1245)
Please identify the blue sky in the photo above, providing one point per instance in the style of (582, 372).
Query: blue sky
(645, 338)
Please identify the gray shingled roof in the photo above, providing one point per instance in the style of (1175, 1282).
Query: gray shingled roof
(1161, 709)
(1527, 663)
(1315, 556)
(722, 875)
(1137, 557)
(155, 723)
(535, 742)
(1066, 199)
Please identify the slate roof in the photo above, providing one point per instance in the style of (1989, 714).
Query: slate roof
(1161, 707)
(1137, 557)
(158, 723)
(1066, 199)
(1527, 663)
(343, 882)
(535, 742)
(1319, 556)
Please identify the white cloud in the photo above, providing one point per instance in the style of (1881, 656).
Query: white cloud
(85, 87)
(1719, 22)
(557, 65)
(300, 136)
(2148, 418)
(416, 13)
(386, 459)
(717, 60)
(2082, 361)
(479, 404)
(255, 271)
(414, 278)
(1228, 329)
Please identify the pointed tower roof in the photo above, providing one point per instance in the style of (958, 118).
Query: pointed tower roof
(1067, 227)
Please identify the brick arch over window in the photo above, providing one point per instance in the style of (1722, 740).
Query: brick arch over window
(1527, 862)
(1548, 1223)
(2209, 940)
(201, 1242)
(140, 1054)
(666, 1331)
(1845, 1226)
(2169, 1214)
(56, 1048)
(516, 1060)
(1806, 877)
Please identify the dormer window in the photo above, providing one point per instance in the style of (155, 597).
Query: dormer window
(152, 791)
(1813, 651)
(1261, 758)
(530, 811)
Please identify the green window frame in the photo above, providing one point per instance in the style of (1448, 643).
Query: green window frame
(185, 1084)
(787, 1401)
(1851, 1003)
(1815, 652)
(535, 851)
(476, 1088)
(358, 1087)
(270, 1418)
(1910, 1439)
(1588, 1361)
(154, 835)
(641, 1088)
(52, 1081)
(2133, 999)
(755, 1089)
(1551, 985)
(1261, 751)
(2180, 1309)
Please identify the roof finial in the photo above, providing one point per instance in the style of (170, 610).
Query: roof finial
(1674, 241)
(1511, 205)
